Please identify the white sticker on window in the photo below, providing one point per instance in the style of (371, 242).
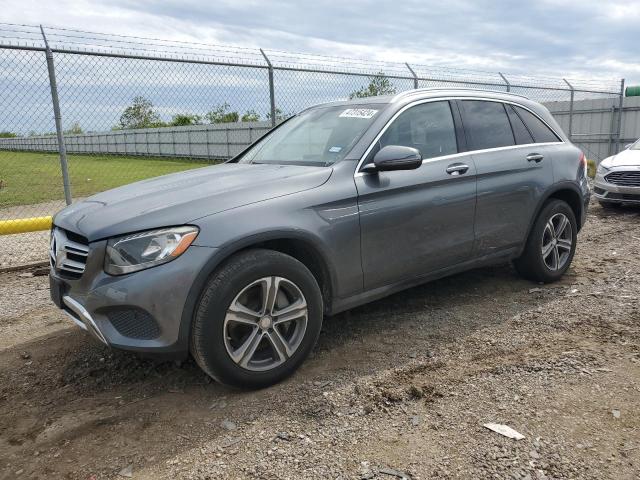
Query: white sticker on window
(335, 149)
(358, 113)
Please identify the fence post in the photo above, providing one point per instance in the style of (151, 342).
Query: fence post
(272, 98)
(413, 74)
(505, 81)
(206, 141)
(58, 119)
(570, 108)
(620, 111)
(610, 143)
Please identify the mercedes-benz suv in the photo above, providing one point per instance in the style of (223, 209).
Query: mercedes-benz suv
(339, 205)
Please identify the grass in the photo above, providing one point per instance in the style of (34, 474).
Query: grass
(28, 178)
(591, 168)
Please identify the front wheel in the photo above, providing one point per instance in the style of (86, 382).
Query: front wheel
(258, 318)
(551, 244)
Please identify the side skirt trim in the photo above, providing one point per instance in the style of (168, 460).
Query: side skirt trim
(342, 304)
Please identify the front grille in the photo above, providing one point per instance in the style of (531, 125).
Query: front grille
(68, 253)
(624, 179)
(134, 323)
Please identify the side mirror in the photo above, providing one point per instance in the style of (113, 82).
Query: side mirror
(395, 157)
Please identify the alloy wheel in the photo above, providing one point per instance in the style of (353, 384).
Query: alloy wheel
(265, 323)
(557, 240)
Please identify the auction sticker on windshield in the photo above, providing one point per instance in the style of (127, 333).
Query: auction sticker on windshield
(358, 113)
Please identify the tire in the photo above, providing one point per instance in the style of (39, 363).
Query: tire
(538, 265)
(232, 338)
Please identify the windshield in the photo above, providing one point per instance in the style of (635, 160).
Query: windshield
(318, 137)
(635, 146)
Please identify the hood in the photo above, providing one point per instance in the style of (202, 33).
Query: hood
(182, 198)
(624, 158)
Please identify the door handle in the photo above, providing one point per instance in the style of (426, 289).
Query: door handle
(534, 157)
(457, 169)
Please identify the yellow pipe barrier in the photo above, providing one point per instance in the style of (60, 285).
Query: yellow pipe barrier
(23, 225)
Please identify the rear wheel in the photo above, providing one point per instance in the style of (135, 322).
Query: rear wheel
(551, 244)
(258, 318)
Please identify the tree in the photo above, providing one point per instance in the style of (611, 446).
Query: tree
(75, 129)
(221, 114)
(379, 84)
(184, 119)
(250, 116)
(279, 115)
(140, 114)
(8, 135)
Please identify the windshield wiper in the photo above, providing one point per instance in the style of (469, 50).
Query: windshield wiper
(300, 163)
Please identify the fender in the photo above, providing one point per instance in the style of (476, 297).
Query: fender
(221, 254)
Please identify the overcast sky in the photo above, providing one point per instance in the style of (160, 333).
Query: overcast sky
(574, 38)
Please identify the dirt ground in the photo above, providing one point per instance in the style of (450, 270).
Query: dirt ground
(399, 388)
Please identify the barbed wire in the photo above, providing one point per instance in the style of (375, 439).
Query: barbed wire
(62, 38)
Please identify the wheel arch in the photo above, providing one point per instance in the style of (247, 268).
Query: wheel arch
(297, 244)
(566, 191)
(574, 199)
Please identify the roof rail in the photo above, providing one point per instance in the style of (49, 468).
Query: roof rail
(417, 91)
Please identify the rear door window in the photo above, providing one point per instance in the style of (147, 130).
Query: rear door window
(541, 133)
(428, 127)
(520, 131)
(486, 124)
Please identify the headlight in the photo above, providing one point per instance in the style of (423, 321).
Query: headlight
(602, 169)
(138, 251)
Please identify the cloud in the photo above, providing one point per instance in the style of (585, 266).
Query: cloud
(585, 38)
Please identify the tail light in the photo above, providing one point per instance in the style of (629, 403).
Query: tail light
(584, 168)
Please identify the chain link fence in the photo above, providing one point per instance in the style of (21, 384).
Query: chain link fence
(132, 108)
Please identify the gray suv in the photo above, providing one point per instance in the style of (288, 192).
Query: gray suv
(340, 205)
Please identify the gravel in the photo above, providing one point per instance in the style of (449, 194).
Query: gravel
(400, 388)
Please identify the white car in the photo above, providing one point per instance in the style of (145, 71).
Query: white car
(618, 178)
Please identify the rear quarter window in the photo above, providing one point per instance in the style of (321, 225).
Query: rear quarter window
(486, 124)
(520, 131)
(541, 133)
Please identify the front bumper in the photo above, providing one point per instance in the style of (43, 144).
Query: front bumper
(608, 192)
(141, 311)
(81, 317)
